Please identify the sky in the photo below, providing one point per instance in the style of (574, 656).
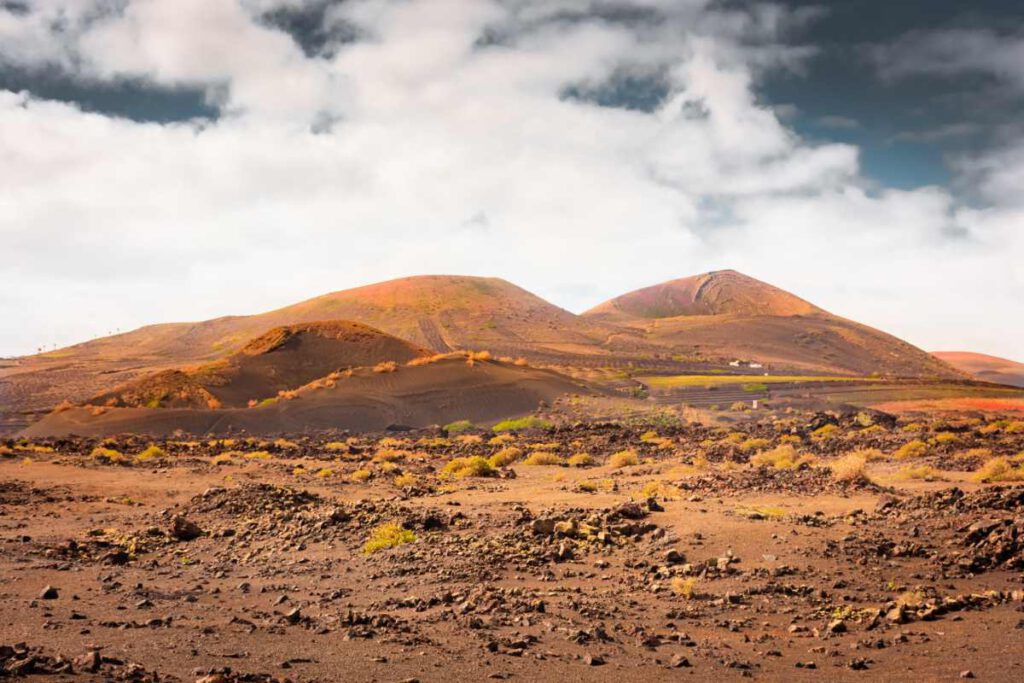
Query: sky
(173, 160)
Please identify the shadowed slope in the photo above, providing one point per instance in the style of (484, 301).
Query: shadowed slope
(284, 358)
(985, 368)
(433, 393)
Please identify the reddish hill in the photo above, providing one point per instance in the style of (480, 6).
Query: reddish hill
(439, 312)
(721, 292)
(435, 392)
(985, 368)
(282, 359)
(726, 315)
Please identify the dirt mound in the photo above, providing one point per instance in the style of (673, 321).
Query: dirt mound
(282, 359)
(453, 388)
(985, 368)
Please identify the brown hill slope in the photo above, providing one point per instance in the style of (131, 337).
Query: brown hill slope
(440, 312)
(722, 292)
(985, 368)
(728, 315)
(420, 395)
(282, 359)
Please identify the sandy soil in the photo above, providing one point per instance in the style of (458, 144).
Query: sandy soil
(187, 564)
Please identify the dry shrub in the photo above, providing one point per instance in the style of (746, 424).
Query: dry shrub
(505, 457)
(389, 455)
(849, 468)
(826, 432)
(150, 453)
(258, 455)
(360, 476)
(755, 444)
(385, 366)
(919, 472)
(911, 449)
(543, 458)
(388, 535)
(501, 439)
(626, 458)
(999, 469)
(108, 456)
(660, 489)
(684, 587)
(475, 466)
(783, 457)
(580, 460)
(404, 481)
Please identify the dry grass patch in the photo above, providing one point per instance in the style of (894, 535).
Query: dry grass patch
(108, 456)
(783, 457)
(389, 535)
(544, 459)
(404, 481)
(385, 367)
(849, 468)
(999, 469)
(359, 476)
(461, 468)
(626, 458)
(919, 473)
(505, 457)
(581, 460)
(152, 453)
(684, 587)
(911, 449)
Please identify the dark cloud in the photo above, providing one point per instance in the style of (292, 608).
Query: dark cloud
(312, 27)
(130, 99)
(624, 90)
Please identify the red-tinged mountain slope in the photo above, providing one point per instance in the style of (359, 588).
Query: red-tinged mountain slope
(728, 315)
(985, 368)
(284, 358)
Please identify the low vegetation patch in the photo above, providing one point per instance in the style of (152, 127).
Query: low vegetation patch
(458, 427)
(626, 458)
(783, 457)
(919, 472)
(849, 468)
(911, 449)
(684, 587)
(389, 535)
(522, 423)
(505, 457)
(999, 469)
(580, 460)
(543, 458)
(475, 466)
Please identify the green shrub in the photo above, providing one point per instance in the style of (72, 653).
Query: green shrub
(458, 427)
(529, 422)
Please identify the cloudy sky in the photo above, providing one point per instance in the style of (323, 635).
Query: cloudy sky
(165, 160)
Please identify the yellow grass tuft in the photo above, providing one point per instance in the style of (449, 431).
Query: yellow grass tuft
(505, 457)
(684, 587)
(999, 469)
(783, 457)
(460, 468)
(626, 458)
(849, 468)
(389, 535)
(580, 460)
(543, 458)
(911, 449)
(385, 367)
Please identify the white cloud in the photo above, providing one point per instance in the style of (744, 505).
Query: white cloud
(450, 156)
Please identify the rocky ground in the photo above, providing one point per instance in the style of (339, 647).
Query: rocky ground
(670, 551)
